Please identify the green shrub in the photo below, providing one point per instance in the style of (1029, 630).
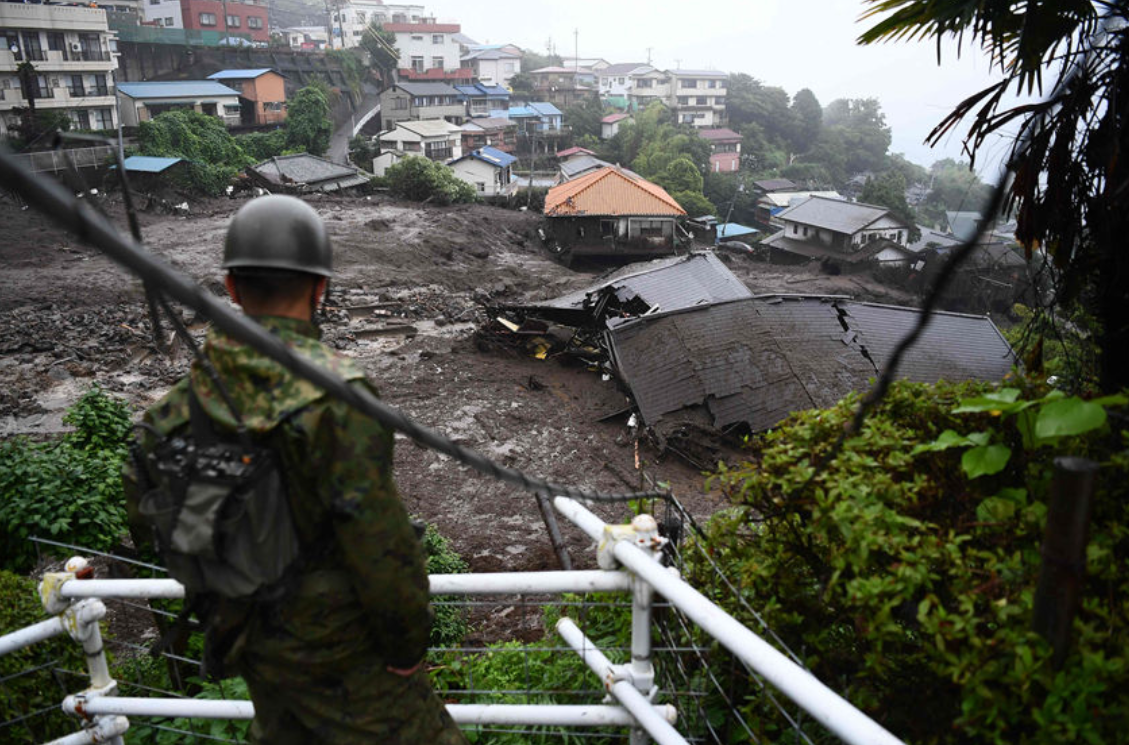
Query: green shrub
(906, 579)
(450, 625)
(224, 730)
(420, 179)
(213, 154)
(308, 128)
(69, 489)
(260, 146)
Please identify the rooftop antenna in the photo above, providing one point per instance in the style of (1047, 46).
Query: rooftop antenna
(648, 56)
(677, 63)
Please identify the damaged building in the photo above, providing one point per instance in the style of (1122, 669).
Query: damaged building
(703, 357)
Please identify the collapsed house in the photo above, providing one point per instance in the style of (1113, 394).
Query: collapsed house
(703, 357)
(304, 173)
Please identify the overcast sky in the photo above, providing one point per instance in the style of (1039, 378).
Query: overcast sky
(793, 44)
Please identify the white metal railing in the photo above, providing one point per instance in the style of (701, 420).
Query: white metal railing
(629, 557)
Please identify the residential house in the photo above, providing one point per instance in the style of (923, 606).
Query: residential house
(165, 13)
(431, 138)
(70, 49)
(496, 132)
(487, 170)
(563, 86)
(839, 232)
(306, 38)
(769, 185)
(610, 213)
(303, 173)
(536, 119)
(572, 152)
(415, 101)
(698, 97)
(591, 64)
(351, 20)
(615, 82)
(769, 206)
(429, 51)
(578, 165)
(481, 99)
(725, 149)
(141, 102)
(262, 97)
(236, 18)
(648, 87)
(494, 64)
(610, 124)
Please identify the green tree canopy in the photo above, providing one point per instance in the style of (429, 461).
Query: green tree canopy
(695, 203)
(380, 47)
(857, 129)
(889, 190)
(584, 117)
(419, 178)
(680, 175)
(307, 121)
(807, 118)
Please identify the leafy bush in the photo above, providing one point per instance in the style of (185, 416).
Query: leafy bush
(223, 730)
(418, 178)
(307, 120)
(362, 151)
(694, 203)
(214, 156)
(70, 489)
(260, 146)
(450, 625)
(904, 581)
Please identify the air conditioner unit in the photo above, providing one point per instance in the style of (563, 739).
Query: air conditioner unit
(76, 47)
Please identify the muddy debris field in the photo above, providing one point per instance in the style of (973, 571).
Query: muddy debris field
(413, 284)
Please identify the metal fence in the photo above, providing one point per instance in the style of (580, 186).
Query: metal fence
(54, 161)
(592, 656)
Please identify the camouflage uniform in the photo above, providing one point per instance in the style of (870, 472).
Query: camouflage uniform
(315, 663)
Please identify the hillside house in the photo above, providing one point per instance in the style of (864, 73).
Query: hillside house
(725, 149)
(846, 233)
(610, 124)
(698, 97)
(563, 86)
(481, 99)
(488, 170)
(496, 132)
(609, 213)
(432, 138)
(769, 206)
(140, 102)
(615, 82)
(262, 98)
(494, 64)
(419, 101)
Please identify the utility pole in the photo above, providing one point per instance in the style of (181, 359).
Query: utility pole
(648, 56)
(576, 50)
(328, 25)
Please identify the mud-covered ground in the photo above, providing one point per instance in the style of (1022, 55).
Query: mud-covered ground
(409, 293)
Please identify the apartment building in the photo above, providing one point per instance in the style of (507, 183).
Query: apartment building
(698, 96)
(71, 51)
(236, 17)
(349, 21)
(425, 47)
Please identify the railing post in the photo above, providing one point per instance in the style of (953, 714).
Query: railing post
(642, 599)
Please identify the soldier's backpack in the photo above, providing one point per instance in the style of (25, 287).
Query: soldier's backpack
(220, 515)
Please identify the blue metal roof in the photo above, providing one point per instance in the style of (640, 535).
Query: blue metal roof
(493, 156)
(522, 111)
(478, 89)
(544, 108)
(176, 89)
(730, 229)
(149, 164)
(239, 74)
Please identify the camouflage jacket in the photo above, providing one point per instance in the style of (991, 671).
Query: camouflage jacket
(362, 591)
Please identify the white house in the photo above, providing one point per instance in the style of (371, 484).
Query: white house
(615, 81)
(610, 124)
(307, 38)
(698, 96)
(649, 85)
(487, 170)
(493, 64)
(166, 13)
(70, 48)
(427, 46)
(141, 102)
(432, 138)
(350, 20)
(847, 232)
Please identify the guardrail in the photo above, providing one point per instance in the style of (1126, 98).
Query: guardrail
(630, 561)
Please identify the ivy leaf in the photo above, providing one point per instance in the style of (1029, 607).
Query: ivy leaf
(1000, 400)
(947, 439)
(995, 510)
(985, 460)
(1068, 416)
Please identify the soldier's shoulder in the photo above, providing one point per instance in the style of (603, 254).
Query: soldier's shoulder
(171, 411)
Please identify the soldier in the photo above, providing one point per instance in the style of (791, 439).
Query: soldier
(338, 659)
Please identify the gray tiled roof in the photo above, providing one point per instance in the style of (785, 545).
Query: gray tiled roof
(834, 214)
(308, 170)
(755, 361)
(427, 89)
(667, 284)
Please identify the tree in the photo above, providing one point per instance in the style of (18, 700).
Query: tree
(307, 121)
(522, 84)
(380, 47)
(889, 190)
(680, 175)
(533, 61)
(1068, 172)
(857, 128)
(694, 203)
(807, 120)
(418, 178)
(584, 117)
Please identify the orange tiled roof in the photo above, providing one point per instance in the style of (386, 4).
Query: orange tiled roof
(610, 192)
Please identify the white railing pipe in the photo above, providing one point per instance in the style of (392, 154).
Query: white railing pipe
(827, 707)
(515, 583)
(528, 715)
(104, 730)
(29, 635)
(622, 689)
(500, 583)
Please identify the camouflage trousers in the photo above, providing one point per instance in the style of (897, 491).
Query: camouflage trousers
(402, 711)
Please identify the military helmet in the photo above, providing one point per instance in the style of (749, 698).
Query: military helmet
(278, 232)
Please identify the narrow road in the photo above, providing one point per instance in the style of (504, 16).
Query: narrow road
(339, 141)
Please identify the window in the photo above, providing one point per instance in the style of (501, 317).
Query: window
(233, 21)
(400, 104)
(417, 64)
(80, 118)
(379, 18)
(399, 18)
(690, 83)
(32, 49)
(360, 16)
(437, 62)
(40, 88)
(683, 100)
(437, 38)
(103, 118)
(703, 101)
(272, 106)
(481, 186)
(417, 37)
(711, 83)
(805, 231)
(607, 228)
(169, 21)
(795, 228)
(231, 109)
(508, 66)
(76, 89)
(254, 22)
(356, 32)
(92, 48)
(100, 88)
(154, 2)
(56, 43)
(207, 19)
